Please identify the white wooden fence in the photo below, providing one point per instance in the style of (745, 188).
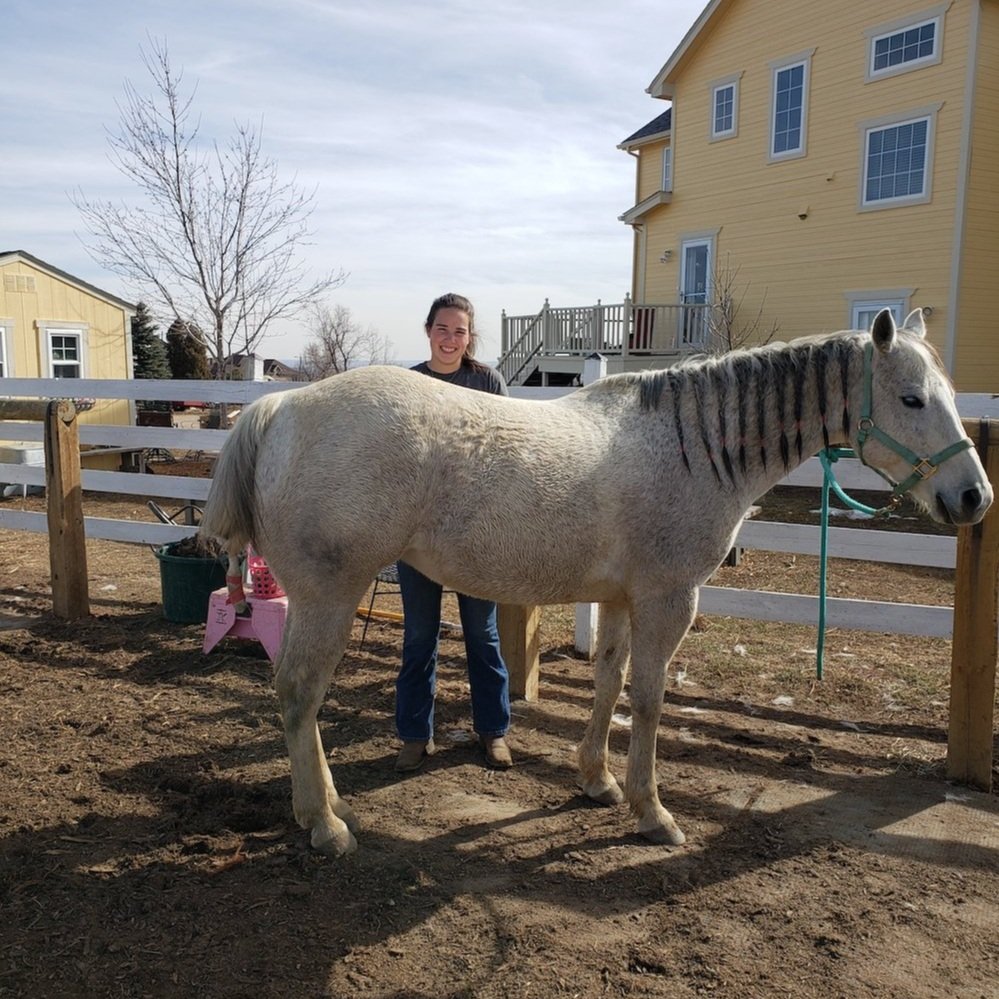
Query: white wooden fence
(850, 543)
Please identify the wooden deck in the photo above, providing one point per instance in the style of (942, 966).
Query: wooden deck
(552, 346)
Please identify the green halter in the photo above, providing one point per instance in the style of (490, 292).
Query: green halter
(922, 468)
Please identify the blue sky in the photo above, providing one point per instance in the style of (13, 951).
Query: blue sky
(453, 146)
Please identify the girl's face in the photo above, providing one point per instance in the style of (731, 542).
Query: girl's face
(449, 336)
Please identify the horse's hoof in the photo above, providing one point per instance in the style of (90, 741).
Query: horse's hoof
(667, 834)
(333, 843)
(605, 794)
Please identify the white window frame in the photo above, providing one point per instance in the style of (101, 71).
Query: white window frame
(46, 331)
(727, 83)
(934, 16)
(872, 302)
(803, 59)
(882, 124)
(6, 351)
(667, 175)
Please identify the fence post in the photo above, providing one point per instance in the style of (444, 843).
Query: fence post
(975, 642)
(67, 541)
(520, 641)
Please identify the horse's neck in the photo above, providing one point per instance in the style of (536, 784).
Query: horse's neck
(755, 419)
(790, 446)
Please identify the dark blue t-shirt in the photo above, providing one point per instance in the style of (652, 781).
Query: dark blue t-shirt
(480, 377)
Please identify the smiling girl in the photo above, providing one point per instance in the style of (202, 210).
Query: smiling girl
(450, 329)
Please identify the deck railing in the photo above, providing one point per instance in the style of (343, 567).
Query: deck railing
(620, 329)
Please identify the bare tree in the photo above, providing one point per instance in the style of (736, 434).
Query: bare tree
(215, 241)
(728, 327)
(338, 342)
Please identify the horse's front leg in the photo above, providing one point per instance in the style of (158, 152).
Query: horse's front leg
(657, 628)
(610, 667)
(313, 643)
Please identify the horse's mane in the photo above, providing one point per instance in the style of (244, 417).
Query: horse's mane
(750, 379)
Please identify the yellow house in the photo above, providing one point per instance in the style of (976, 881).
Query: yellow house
(819, 162)
(54, 325)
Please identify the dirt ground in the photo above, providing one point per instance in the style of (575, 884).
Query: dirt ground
(147, 846)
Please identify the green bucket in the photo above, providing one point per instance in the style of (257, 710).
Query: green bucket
(188, 583)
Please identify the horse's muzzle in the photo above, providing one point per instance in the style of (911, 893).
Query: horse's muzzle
(972, 507)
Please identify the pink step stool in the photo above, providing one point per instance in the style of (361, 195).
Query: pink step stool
(265, 622)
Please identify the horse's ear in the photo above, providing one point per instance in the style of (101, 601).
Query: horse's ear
(883, 331)
(914, 323)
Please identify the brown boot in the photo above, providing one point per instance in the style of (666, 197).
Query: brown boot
(497, 752)
(412, 755)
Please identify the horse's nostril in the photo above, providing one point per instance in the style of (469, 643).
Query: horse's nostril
(971, 499)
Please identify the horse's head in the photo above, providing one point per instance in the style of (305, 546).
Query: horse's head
(909, 428)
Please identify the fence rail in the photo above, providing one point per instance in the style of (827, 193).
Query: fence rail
(973, 626)
(851, 543)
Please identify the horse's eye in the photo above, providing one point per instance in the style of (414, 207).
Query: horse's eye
(912, 401)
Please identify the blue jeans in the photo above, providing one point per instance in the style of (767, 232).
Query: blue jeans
(416, 684)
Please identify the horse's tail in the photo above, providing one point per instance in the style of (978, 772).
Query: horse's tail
(230, 513)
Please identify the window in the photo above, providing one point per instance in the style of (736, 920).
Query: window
(725, 108)
(866, 304)
(897, 160)
(63, 349)
(864, 312)
(904, 45)
(667, 180)
(65, 355)
(789, 108)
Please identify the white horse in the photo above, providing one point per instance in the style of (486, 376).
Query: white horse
(627, 493)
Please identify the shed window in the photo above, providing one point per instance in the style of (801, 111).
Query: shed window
(65, 354)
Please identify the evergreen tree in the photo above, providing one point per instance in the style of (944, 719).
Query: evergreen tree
(149, 352)
(186, 351)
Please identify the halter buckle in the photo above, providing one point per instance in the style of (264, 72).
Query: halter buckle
(924, 469)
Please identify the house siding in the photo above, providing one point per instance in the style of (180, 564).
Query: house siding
(976, 362)
(793, 272)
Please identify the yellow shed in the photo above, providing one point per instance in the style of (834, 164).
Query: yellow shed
(54, 325)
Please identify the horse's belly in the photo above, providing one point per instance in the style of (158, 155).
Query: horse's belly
(521, 580)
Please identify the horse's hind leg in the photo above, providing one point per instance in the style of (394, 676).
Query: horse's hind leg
(657, 628)
(610, 667)
(314, 640)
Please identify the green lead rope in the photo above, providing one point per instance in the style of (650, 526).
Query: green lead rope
(827, 457)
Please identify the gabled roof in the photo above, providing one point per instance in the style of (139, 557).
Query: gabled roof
(6, 256)
(662, 85)
(655, 129)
